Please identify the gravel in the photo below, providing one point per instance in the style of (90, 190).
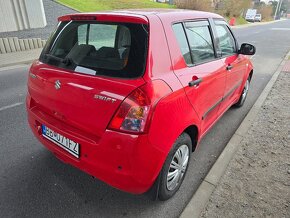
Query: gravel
(52, 11)
(257, 180)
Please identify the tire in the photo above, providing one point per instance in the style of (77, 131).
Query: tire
(172, 175)
(244, 94)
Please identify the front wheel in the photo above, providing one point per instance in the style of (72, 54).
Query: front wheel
(175, 167)
(244, 94)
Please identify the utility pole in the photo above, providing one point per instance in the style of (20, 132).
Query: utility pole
(279, 12)
(278, 7)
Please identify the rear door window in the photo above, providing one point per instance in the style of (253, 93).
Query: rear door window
(109, 49)
(200, 41)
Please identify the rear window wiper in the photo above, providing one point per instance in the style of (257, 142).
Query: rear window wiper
(66, 61)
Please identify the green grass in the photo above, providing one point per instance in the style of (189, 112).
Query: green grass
(239, 21)
(100, 5)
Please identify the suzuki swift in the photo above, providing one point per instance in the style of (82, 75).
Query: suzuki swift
(127, 95)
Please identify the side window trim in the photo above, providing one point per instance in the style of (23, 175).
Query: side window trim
(183, 27)
(88, 33)
(214, 38)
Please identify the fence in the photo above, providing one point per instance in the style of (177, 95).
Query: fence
(13, 44)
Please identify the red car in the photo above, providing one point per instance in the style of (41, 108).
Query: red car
(126, 96)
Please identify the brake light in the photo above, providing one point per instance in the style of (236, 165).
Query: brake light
(135, 111)
(82, 17)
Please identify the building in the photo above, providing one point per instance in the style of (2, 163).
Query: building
(21, 14)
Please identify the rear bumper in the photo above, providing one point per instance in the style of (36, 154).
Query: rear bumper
(127, 162)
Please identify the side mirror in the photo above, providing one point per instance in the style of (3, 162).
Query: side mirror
(247, 49)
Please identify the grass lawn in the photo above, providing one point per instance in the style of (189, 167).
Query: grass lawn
(98, 5)
(241, 21)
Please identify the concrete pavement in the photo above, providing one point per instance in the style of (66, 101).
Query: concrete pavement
(211, 189)
(21, 57)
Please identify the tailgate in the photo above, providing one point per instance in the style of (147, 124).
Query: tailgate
(85, 102)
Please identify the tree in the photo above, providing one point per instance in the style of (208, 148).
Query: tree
(200, 5)
(235, 8)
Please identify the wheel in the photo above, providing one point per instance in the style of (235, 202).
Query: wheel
(175, 167)
(244, 94)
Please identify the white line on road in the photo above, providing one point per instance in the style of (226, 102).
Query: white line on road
(10, 106)
(287, 29)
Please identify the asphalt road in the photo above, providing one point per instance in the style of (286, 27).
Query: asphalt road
(33, 183)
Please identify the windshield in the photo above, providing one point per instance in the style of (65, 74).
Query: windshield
(109, 49)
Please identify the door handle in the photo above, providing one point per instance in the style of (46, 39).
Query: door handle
(229, 67)
(195, 82)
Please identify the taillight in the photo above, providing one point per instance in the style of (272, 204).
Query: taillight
(135, 111)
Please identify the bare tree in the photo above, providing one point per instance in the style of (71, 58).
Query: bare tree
(235, 8)
(201, 5)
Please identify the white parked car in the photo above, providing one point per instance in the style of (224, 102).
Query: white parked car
(258, 18)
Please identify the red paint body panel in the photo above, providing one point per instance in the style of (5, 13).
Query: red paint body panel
(127, 161)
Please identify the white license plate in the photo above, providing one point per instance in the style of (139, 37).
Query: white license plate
(60, 140)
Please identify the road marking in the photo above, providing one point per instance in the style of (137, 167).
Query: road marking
(287, 29)
(10, 106)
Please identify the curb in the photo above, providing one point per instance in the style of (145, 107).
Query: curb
(12, 67)
(208, 185)
(21, 57)
(256, 24)
(26, 62)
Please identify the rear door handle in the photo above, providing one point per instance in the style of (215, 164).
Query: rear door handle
(229, 67)
(195, 82)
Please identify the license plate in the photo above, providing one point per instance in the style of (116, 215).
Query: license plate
(62, 141)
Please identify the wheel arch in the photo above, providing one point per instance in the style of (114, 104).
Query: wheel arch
(192, 131)
(251, 74)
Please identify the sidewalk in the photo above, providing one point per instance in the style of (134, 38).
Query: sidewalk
(256, 24)
(21, 57)
(251, 178)
(257, 180)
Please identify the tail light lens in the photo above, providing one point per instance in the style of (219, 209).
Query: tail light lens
(135, 111)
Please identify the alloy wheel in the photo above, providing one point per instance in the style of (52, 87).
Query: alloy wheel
(177, 167)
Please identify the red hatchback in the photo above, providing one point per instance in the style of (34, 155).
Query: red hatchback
(126, 96)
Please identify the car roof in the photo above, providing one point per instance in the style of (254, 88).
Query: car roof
(164, 14)
(173, 14)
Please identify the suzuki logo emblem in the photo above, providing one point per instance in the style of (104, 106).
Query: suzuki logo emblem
(57, 84)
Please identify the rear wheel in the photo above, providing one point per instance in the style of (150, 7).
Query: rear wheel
(244, 94)
(175, 167)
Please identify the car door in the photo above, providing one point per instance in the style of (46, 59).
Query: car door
(203, 79)
(234, 64)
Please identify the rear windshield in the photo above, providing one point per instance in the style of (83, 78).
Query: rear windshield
(108, 49)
